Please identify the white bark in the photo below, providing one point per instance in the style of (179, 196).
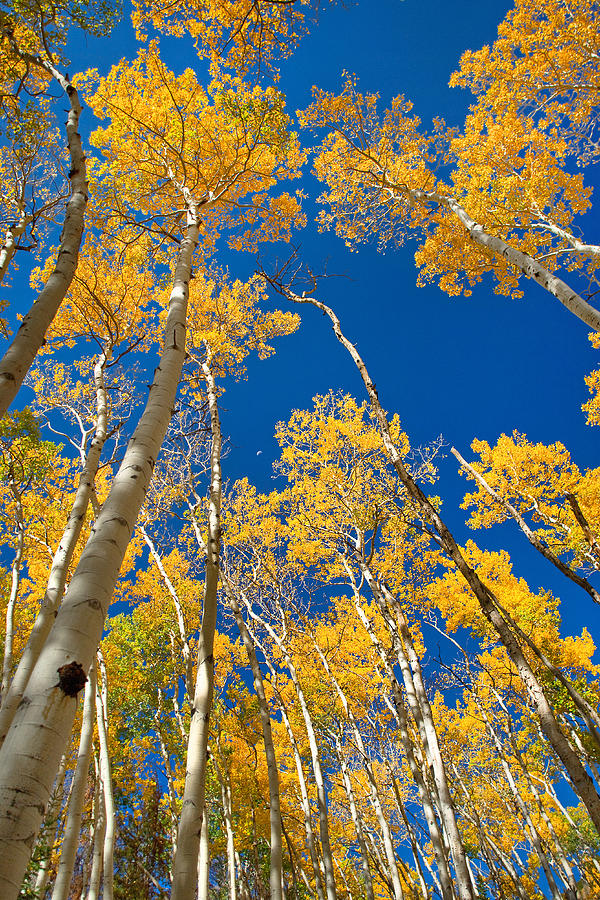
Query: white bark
(62, 558)
(526, 264)
(52, 825)
(185, 646)
(106, 777)
(203, 860)
(99, 830)
(190, 824)
(15, 576)
(421, 710)
(80, 778)
(356, 819)
(582, 784)
(531, 536)
(29, 338)
(330, 887)
(398, 710)
(9, 248)
(524, 811)
(373, 787)
(304, 798)
(31, 751)
(276, 858)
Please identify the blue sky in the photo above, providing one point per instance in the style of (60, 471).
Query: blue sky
(459, 367)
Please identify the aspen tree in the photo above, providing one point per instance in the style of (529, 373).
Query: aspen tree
(280, 641)
(581, 781)
(185, 862)
(17, 360)
(74, 813)
(70, 644)
(275, 868)
(381, 182)
(104, 302)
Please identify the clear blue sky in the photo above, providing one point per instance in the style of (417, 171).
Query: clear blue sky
(460, 367)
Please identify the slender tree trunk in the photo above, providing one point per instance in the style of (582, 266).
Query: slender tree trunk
(190, 824)
(276, 859)
(52, 826)
(526, 264)
(225, 788)
(582, 784)
(15, 575)
(106, 777)
(356, 819)
(9, 248)
(422, 715)
(373, 787)
(531, 536)
(45, 715)
(99, 831)
(29, 338)
(525, 814)
(62, 558)
(172, 794)
(419, 777)
(70, 842)
(185, 646)
(411, 837)
(304, 798)
(330, 887)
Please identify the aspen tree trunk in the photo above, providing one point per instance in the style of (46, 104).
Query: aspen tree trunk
(276, 858)
(557, 851)
(62, 558)
(378, 862)
(99, 830)
(9, 248)
(45, 716)
(106, 778)
(411, 837)
(373, 787)
(185, 646)
(203, 860)
(523, 809)
(398, 710)
(17, 360)
(526, 264)
(70, 841)
(169, 775)
(582, 783)
(423, 718)
(304, 799)
(531, 536)
(418, 772)
(225, 788)
(330, 887)
(15, 576)
(489, 849)
(190, 824)
(364, 854)
(549, 788)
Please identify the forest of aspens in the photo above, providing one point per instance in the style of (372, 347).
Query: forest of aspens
(300, 402)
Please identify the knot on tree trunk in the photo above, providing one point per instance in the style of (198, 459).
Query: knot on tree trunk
(71, 678)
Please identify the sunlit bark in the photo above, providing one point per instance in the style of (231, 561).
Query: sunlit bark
(80, 778)
(46, 714)
(190, 825)
(488, 602)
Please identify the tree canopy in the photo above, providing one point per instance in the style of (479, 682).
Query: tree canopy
(288, 613)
